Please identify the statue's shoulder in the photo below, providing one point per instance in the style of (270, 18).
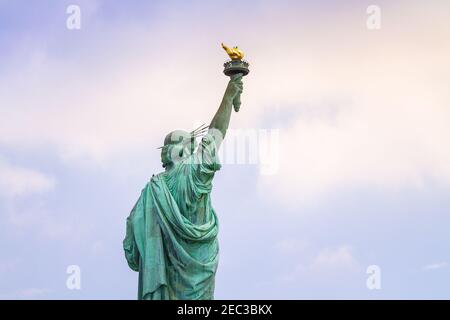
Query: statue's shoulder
(155, 178)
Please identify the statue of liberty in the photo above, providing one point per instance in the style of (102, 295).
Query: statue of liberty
(171, 235)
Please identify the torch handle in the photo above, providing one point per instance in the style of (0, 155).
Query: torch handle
(237, 99)
(237, 103)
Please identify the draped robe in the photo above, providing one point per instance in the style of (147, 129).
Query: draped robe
(171, 234)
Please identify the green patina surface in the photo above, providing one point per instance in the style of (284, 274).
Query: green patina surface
(172, 231)
(171, 235)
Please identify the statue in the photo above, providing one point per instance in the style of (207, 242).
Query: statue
(171, 234)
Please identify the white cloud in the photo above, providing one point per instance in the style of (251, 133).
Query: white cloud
(291, 246)
(28, 293)
(369, 108)
(328, 265)
(128, 106)
(17, 181)
(435, 266)
(33, 292)
(370, 111)
(36, 217)
(337, 258)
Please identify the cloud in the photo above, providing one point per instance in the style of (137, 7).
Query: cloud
(369, 111)
(329, 265)
(28, 293)
(291, 246)
(436, 266)
(92, 109)
(18, 185)
(35, 217)
(19, 181)
(353, 107)
(33, 292)
(338, 258)
(329, 272)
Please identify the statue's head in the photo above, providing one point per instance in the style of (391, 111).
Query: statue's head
(178, 145)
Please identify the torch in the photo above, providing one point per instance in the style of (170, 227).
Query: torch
(234, 67)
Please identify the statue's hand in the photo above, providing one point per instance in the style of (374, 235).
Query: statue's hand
(235, 87)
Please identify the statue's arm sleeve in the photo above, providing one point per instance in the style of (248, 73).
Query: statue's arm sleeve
(206, 164)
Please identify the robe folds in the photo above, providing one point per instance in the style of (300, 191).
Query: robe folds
(171, 233)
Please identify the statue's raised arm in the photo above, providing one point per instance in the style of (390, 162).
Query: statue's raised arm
(235, 68)
(219, 124)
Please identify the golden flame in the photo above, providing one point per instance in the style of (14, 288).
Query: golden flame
(234, 53)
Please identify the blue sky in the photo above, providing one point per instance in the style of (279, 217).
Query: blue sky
(362, 161)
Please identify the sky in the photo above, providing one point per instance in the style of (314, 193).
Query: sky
(346, 112)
